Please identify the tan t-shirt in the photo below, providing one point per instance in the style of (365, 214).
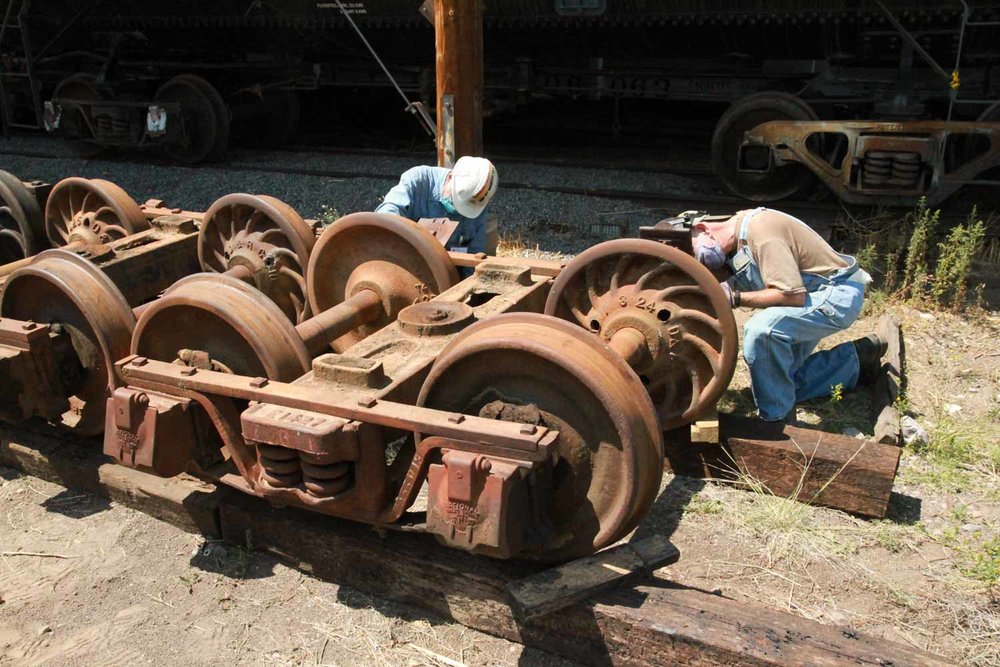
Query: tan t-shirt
(784, 249)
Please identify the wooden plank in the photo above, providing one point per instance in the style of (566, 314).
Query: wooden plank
(815, 467)
(184, 502)
(558, 587)
(657, 623)
(889, 384)
(706, 429)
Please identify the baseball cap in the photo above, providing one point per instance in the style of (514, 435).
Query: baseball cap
(474, 181)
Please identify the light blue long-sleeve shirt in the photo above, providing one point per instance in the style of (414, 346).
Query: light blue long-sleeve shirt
(418, 195)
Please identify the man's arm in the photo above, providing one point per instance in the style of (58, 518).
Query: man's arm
(399, 200)
(396, 201)
(766, 298)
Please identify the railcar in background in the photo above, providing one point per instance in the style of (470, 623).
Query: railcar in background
(190, 77)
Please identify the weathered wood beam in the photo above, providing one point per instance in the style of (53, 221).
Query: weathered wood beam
(656, 623)
(815, 467)
(889, 384)
(185, 502)
(558, 587)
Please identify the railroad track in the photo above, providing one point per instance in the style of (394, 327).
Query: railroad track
(822, 215)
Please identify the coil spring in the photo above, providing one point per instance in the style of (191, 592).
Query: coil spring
(284, 468)
(280, 466)
(109, 126)
(322, 478)
(885, 168)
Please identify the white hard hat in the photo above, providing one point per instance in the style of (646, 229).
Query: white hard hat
(474, 181)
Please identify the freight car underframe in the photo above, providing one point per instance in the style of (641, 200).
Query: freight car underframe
(876, 163)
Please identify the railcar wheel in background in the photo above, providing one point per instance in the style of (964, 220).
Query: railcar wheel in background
(205, 134)
(79, 87)
(743, 115)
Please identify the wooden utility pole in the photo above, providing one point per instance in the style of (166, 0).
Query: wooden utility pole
(458, 30)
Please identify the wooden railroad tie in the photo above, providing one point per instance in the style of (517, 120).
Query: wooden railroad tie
(599, 621)
(889, 385)
(811, 466)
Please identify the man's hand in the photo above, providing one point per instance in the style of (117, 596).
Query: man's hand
(729, 292)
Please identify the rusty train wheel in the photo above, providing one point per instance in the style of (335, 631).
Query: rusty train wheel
(390, 255)
(610, 453)
(265, 236)
(22, 226)
(62, 289)
(673, 301)
(746, 114)
(90, 211)
(240, 329)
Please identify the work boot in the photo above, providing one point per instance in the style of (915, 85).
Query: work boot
(870, 351)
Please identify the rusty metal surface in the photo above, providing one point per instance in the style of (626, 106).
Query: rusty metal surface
(149, 431)
(239, 329)
(22, 226)
(533, 437)
(880, 162)
(389, 255)
(265, 237)
(660, 310)
(88, 211)
(65, 290)
(608, 461)
(440, 228)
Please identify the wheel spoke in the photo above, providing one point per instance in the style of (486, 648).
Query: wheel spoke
(698, 316)
(620, 267)
(591, 276)
(580, 316)
(649, 275)
(115, 231)
(668, 293)
(255, 217)
(291, 256)
(274, 233)
(710, 353)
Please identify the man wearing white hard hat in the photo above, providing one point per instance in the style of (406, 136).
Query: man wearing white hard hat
(461, 194)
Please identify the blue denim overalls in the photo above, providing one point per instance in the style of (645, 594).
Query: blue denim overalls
(778, 341)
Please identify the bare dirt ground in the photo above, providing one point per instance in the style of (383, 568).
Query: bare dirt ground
(111, 586)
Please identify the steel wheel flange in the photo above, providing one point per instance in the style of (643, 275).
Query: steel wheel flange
(22, 226)
(388, 254)
(60, 288)
(240, 329)
(688, 329)
(609, 458)
(89, 211)
(266, 237)
(746, 114)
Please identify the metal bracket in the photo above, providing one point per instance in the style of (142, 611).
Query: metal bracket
(447, 138)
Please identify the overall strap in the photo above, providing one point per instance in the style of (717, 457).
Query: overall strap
(745, 223)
